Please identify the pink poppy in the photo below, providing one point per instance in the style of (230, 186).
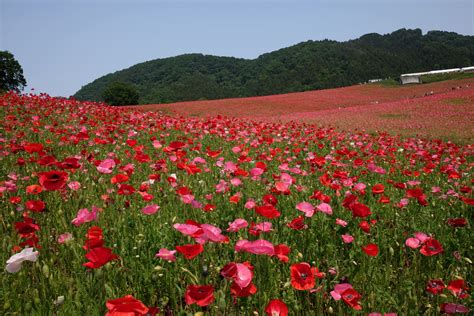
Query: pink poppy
(166, 254)
(306, 208)
(237, 224)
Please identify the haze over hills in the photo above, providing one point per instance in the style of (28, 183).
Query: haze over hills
(305, 66)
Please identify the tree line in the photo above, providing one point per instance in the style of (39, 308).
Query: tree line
(306, 66)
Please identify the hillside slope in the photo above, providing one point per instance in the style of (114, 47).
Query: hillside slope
(306, 66)
(442, 109)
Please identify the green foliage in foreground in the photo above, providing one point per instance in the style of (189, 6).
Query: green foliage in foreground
(306, 66)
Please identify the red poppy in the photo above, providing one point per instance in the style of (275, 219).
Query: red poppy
(435, 286)
(249, 290)
(34, 189)
(458, 288)
(282, 251)
(268, 211)
(457, 222)
(190, 251)
(298, 223)
(378, 188)
(35, 205)
(270, 199)
(26, 227)
(53, 180)
(201, 295)
(352, 298)
(371, 250)
(98, 257)
(360, 210)
(15, 199)
(303, 276)
(33, 148)
(127, 305)
(276, 308)
(431, 247)
(125, 189)
(119, 178)
(95, 238)
(365, 226)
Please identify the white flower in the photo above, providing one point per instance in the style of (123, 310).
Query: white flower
(15, 261)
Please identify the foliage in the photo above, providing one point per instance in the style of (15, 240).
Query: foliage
(120, 93)
(11, 73)
(306, 66)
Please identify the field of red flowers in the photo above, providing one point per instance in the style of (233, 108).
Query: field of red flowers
(126, 212)
(437, 110)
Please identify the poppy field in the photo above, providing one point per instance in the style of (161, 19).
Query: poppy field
(436, 110)
(122, 211)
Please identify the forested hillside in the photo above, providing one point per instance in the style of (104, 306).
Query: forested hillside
(306, 66)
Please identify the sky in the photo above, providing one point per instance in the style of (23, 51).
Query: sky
(65, 44)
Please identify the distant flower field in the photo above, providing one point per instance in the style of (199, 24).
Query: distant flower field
(120, 211)
(438, 110)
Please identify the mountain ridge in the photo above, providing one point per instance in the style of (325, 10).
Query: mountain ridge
(309, 65)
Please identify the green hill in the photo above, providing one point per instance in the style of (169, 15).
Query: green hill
(306, 66)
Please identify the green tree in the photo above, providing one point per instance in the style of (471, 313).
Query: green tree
(121, 93)
(11, 73)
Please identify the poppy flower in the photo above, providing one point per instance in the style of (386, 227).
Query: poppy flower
(257, 247)
(452, 308)
(346, 292)
(281, 252)
(303, 276)
(150, 209)
(240, 273)
(15, 261)
(268, 211)
(33, 148)
(371, 250)
(431, 247)
(84, 216)
(237, 224)
(34, 189)
(201, 295)
(166, 254)
(98, 257)
(106, 166)
(35, 205)
(435, 286)
(190, 251)
(458, 288)
(365, 226)
(360, 210)
(127, 305)
(276, 308)
(237, 291)
(378, 188)
(119, 178)
(297, 223)
(457, 222)
(306, 208)
(53, 180)
(125, 189)
(351, 297)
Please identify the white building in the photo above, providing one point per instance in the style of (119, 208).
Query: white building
(416, 77)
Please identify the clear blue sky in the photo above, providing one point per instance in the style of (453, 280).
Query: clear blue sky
(64, 44)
